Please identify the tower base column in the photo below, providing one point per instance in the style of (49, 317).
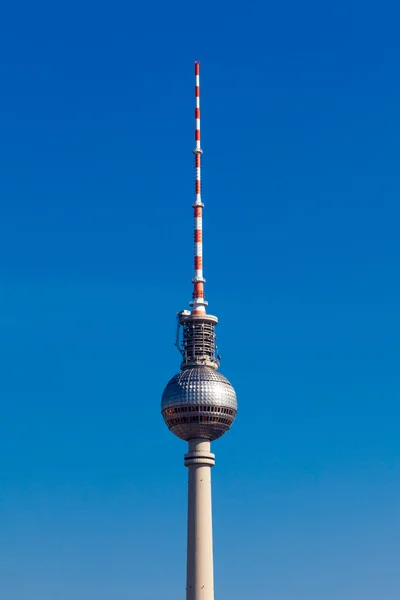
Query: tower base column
(200, 567)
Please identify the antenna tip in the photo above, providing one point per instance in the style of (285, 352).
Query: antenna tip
(196, 67)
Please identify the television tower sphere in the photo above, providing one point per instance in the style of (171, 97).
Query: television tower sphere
(199, 402)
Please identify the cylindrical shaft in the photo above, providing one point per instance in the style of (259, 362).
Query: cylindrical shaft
(200, 568)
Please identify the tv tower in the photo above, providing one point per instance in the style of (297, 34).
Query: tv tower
(198, 404)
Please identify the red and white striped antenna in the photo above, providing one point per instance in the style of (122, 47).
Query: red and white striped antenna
(197, 344)
(198, 303)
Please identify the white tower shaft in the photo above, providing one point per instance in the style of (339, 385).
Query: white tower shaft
(200, 567)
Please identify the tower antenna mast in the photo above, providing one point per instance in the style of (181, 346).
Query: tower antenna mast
(198, 303)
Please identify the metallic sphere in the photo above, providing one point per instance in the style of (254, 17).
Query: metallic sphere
(199, 402)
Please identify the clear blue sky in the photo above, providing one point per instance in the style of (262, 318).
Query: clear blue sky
(300, 130)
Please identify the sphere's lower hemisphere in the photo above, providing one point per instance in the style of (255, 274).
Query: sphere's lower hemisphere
(199, 403)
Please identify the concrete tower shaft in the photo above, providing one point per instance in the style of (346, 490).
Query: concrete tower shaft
(200, 562)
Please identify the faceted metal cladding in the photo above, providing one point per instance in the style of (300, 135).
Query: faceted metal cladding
(199, 403)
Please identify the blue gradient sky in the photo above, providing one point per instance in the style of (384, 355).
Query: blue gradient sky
(301, 128)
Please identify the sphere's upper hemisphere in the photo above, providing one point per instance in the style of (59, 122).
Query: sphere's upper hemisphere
(199, 402)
